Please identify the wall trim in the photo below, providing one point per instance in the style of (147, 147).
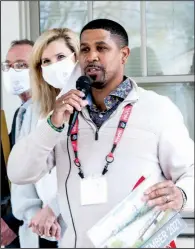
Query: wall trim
(24, 19)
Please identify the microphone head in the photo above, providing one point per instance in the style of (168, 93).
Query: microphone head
(84, 84)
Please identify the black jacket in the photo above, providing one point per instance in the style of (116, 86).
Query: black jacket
(12, 134)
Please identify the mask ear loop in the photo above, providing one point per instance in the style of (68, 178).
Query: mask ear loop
(76, 60)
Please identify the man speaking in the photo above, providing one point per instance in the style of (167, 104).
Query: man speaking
(121, 133)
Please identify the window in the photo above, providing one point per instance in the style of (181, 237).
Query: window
(71, 14)
(161, 39)
(182, 94)
(170, 34)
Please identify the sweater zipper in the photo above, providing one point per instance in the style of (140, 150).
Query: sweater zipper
(96, 128)
(96, 134)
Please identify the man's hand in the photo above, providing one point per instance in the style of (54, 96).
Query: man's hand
(164, 195)
(55, 230)
(64, 106)
(44, 223)
(7, 235)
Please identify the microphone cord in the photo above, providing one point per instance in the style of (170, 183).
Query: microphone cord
(67, 196)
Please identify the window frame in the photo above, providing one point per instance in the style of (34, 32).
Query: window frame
(31, 21)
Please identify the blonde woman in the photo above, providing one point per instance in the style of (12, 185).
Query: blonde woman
(53, 61)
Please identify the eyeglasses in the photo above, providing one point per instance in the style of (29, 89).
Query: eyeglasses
(17, 66)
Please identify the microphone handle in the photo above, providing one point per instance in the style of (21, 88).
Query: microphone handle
(74, 115)
(73, 118)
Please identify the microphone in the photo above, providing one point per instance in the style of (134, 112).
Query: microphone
(82, 84)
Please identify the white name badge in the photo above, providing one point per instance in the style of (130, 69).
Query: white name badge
(93, 190)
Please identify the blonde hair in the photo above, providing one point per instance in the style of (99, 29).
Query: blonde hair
(42, 92)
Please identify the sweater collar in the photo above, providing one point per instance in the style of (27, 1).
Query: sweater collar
(132, 97)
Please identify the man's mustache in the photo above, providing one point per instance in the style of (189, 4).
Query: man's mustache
(92, 65)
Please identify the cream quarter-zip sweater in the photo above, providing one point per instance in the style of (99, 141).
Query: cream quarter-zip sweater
(155, 140)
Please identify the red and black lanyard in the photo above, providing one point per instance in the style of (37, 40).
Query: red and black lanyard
(110, 157)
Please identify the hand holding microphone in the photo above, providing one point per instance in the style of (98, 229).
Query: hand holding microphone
(71, 103)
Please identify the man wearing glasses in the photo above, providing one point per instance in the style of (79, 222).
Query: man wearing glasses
(15, 75)
(16, 80)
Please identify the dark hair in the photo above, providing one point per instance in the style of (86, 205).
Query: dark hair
(113, 27)
(22, 42)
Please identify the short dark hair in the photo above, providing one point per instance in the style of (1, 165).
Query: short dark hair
(113, 27)
(22, 42)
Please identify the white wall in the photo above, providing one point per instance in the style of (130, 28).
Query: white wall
(10, 30)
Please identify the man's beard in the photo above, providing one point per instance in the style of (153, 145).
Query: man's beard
(98, 84)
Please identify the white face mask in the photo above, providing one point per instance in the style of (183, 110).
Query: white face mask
(57, 74)
(16, 82)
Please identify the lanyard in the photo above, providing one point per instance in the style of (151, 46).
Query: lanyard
(110, 157)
